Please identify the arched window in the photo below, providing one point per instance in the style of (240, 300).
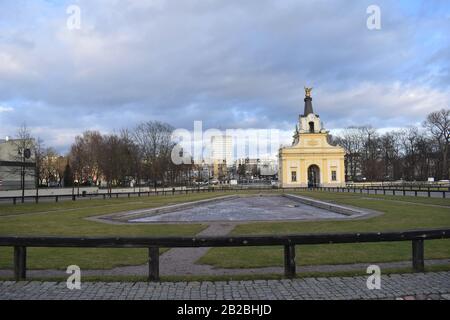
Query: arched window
(311, 127)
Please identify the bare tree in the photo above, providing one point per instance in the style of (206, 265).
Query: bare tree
(84, 155)
(49, 167)
(352, 141)
(75, 164)
(390, 155)
(409, 138)
(24, 153)
(155, 144)
(61, 164)
(438, 124)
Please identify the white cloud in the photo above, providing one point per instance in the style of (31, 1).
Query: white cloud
(390, 104)
(6, 109)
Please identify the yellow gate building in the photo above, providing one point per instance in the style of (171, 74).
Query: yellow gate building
(311, 161)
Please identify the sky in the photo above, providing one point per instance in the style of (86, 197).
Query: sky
(230, 64)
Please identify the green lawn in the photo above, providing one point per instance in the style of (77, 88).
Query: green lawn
(67, 219)
(400, 213)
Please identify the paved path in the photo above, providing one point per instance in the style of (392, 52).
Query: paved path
(406, 286)
(178, 263)
(181, 261)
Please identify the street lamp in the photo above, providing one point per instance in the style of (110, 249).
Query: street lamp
(26, 154)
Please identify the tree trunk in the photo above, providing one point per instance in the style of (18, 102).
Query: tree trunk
(444, 163)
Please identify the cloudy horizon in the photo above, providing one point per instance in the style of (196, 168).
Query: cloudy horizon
(230, 64)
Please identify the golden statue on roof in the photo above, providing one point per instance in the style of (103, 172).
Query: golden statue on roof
(308, 91)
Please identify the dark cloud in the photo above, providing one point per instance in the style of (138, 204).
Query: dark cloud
(228, 63)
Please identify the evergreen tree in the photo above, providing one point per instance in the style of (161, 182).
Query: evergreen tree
(68, 176)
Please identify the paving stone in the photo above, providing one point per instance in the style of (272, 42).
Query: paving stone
(428, 286)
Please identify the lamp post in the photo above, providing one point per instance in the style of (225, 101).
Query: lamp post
(26, 154)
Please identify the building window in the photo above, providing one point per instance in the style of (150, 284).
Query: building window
(311, 127)
(333, 175)
(294, 176)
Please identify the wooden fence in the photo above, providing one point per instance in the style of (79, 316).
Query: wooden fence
(289, 242)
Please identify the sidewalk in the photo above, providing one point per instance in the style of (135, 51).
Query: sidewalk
(433, 285)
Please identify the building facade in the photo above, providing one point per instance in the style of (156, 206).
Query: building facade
(311, 161)
(221, 156)
(247, 167)
(15, 168)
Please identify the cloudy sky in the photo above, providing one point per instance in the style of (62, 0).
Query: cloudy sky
(228, 63)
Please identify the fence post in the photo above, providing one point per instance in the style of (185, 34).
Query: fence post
(56, 199)
(289, 261)
(153, 264)
(14, 200)
(418, 256)
(20, 263)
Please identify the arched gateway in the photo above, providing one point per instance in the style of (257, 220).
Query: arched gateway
(311, 161)
(313, 176)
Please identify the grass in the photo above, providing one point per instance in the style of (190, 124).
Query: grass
(400, 213)
(68, 219)
(336, 196)
(241, 277)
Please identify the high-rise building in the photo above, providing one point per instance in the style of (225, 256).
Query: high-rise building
(222, 148)
(221, 155)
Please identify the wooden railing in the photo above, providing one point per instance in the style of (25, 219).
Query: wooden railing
(289, 242)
